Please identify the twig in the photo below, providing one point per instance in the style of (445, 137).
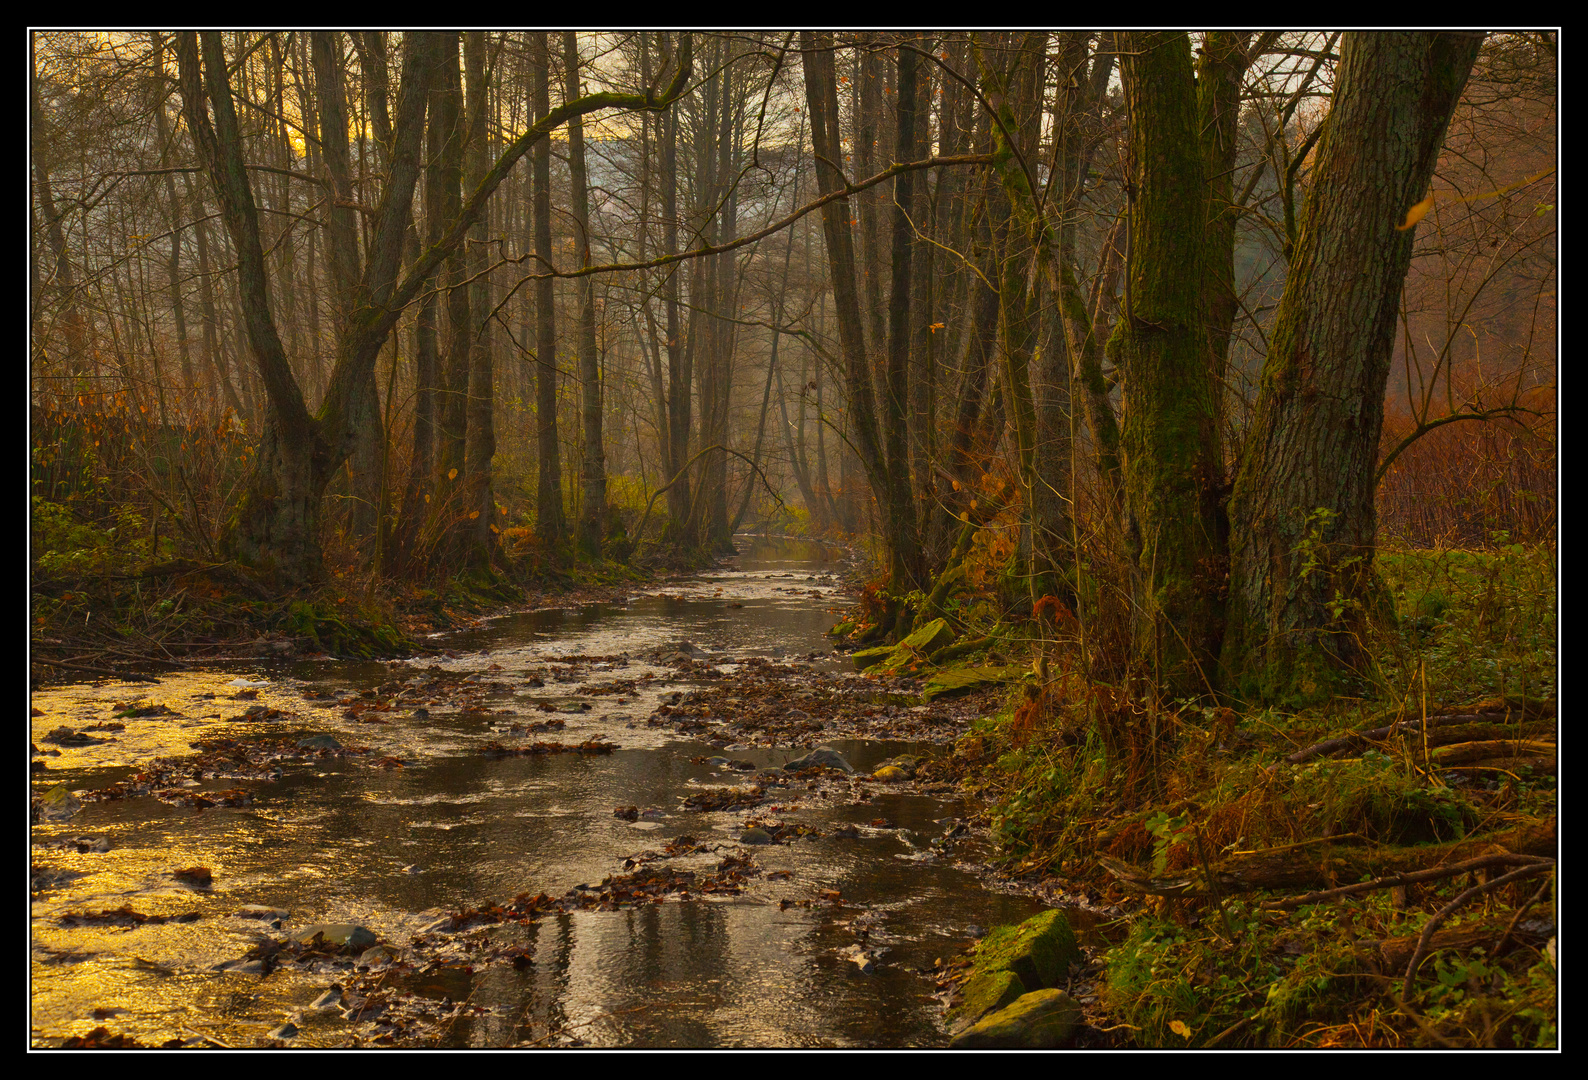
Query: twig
(1227, 1032)
(1517, 918)
(212, 1040)
(1357, 738)
(1448, 909)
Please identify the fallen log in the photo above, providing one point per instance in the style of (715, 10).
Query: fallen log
(1461, 753)
(1325, 863)
(1524, 710)
(1482, 862)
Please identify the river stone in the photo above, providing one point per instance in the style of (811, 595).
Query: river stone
(285, 1031)
(349, 934)
(985, 992)
(378, 956)
(891, 774)
(1039, 950)
(319, 742)
(1042, 1020)
(822, 755)
(58, 803)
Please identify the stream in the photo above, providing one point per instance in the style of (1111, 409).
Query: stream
(640, 921)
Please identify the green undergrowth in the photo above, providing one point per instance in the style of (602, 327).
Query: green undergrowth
(1081, 773)
(1315, 978)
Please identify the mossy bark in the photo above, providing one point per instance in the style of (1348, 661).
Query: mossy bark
(1170, 435)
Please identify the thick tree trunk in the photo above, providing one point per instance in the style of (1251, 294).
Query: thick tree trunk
(1301, 573)
(1173, 465)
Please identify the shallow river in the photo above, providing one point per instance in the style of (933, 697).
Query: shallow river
(335, 840)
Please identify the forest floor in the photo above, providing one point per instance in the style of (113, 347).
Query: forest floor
(1375, 872)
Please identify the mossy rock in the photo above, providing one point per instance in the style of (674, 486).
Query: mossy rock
(984, 993)
(1039, 950)
(1041, 1020)
(866, 658)
(927, 639)
(953, 681)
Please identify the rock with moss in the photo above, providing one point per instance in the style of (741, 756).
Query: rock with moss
(953, 681)
(985, 992)
(866, 658)
(1039, 950)
(348, 935)
(929, 638)
(1041, 1020)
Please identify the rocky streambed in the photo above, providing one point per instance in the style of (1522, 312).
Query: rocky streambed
(674, 821)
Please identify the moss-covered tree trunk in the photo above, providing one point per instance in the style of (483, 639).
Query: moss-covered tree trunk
(1170, 436)
(1302, 507)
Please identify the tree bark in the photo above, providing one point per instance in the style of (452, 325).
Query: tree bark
(480, 544)
(550, 522)
(1173, 463)
(592, 466)
(1301, 572)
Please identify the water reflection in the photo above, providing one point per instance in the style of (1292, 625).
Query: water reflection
(336, 841)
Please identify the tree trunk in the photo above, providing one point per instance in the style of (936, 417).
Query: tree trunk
(480, 545)
(592, 467)
(550, 523)
(1301, 573)
(1173, 464)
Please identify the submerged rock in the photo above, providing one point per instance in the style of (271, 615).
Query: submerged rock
(822, 755)
(348, 934)
(56, 804)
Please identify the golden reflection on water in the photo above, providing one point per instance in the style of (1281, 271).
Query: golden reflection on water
(336, 841)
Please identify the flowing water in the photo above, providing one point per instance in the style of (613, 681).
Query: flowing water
(335, 840)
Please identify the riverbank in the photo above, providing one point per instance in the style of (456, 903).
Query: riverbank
(180, 613)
